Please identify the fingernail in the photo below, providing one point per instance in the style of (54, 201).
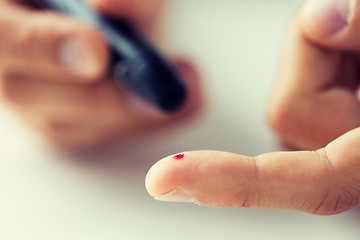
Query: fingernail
(330, 16)
(78, 56)
(176, 196)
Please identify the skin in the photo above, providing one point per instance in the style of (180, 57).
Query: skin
(314, 106)
(82, 108)
(78, 107)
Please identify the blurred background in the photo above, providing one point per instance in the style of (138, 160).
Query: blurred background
(236, 43)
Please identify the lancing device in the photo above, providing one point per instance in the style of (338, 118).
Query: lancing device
(134, 62)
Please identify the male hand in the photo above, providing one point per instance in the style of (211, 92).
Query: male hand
(53, 73)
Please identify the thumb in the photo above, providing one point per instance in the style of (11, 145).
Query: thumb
(49, 45)
(332, 23)
(321, 182)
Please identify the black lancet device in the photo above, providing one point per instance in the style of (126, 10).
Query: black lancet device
(134, 62)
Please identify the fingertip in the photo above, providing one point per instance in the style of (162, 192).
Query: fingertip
(58, 45)
(84, 54)
(210, 178)
(153, 180)
(327, 17)
(164, 176)
(331, 23)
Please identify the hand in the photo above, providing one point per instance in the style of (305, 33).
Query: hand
(53, 73)
(313, 102)
(315, 98)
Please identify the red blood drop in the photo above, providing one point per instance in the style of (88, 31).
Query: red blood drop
(179, 156)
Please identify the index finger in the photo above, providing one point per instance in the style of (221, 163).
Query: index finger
(321, 182)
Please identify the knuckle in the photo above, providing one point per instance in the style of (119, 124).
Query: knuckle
(342, 193)
(332, 205)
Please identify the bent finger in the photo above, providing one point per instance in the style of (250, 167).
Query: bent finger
(313, 81)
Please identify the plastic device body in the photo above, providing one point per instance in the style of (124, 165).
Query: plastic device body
(134, 62)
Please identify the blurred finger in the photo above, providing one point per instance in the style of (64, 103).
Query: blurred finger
(332, 23)
(314, 100)
(40, 43)
(101, 109)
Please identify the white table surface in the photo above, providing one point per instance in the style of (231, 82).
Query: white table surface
(44, 195)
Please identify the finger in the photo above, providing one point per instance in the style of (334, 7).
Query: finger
(315, 84)
(322, 182)
(49, 45)
(332, 23)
